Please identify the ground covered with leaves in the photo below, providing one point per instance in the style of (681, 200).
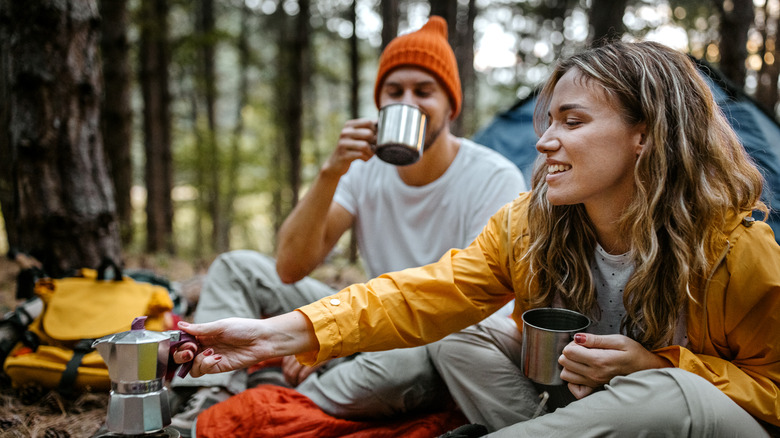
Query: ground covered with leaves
(35, 413)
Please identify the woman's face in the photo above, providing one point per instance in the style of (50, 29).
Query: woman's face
(414, 86)
(590, 150)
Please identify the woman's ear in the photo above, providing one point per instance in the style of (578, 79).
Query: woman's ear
(642, 137)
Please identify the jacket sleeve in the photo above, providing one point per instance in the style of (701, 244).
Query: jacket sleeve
(415, 306)
(740, 349)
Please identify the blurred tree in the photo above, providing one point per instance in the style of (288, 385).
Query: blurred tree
(293, 77)
(154, 60)
(468, 76)
(230, 176)
(208, 147)
(606, 19)
(354, 102)
(62, 204)
(117, 112)
(766, 90)
(390, 15)
(736, 17)
(460, 32)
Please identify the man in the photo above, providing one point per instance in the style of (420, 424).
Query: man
(405, 216)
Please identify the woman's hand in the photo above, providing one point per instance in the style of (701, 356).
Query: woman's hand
(237, 343)
(593, 360)
(355, 142)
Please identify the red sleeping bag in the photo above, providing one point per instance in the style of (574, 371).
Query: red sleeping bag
(274, 411)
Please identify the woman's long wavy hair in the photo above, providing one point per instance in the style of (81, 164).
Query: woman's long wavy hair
(690, 175)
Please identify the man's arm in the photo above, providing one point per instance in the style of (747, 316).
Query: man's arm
(316, 223)
(310, 232)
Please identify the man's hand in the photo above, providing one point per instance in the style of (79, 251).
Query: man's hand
(355, 142)
(593, 360)
(295, 373)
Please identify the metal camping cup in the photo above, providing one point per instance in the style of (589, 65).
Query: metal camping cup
(545, 332)
(400, 134)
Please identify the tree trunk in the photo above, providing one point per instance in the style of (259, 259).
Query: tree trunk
(448, 10)
(279, 20)
(154, 58)
(234, 162)
(206, 32)
(9, 195)
(390, 14)
(63, 207)
(606, 20)
(300, 69)
(468, 77)
(199, 250)
(292, 78)
(461, 38)
(767, 92)
(117, 116)
(734, 25)
(354, 103)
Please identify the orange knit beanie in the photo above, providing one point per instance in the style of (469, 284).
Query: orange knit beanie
(428, 49)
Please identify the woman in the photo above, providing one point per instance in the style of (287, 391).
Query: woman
(641, 168)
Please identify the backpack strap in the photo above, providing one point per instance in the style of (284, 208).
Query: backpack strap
(68, 379)
(106, 263)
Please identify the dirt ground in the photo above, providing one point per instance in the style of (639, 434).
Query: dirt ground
(35, 413)
(38, 414)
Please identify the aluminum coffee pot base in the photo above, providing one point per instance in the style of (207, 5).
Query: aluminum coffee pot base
(168, 432)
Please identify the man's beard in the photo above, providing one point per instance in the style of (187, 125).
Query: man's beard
(431, 139)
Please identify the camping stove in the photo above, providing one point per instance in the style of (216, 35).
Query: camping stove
(137, 361)
(168, 432)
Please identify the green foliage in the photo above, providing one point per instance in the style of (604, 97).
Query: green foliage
(537, 31)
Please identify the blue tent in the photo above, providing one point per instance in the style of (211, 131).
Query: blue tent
(511, 133)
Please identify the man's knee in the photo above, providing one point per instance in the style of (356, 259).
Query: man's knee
(452, 350)
(395, 368)
(241, 259)
(404, 378)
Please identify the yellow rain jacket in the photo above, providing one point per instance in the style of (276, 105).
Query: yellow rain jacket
(733, 326)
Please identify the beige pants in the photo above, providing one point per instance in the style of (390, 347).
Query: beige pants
(480, 366)
(373, 385)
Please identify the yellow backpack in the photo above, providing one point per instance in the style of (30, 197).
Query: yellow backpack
(56, 351)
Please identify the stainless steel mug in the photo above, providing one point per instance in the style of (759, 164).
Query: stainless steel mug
(400, 134)
(546, 331)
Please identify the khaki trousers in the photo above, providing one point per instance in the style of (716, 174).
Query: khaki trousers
(370, 385)
(481, 367)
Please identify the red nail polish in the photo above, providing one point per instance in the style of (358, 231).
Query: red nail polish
(208, 352)
(580, 338)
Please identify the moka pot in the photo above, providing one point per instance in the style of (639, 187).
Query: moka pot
(137, 362)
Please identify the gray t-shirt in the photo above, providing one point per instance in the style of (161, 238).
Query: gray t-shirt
(611, 274)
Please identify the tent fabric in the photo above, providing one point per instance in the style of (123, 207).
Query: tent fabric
(268, 411)
(511, 133)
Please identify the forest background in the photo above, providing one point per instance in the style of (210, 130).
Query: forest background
(179, 128)
(161, 133)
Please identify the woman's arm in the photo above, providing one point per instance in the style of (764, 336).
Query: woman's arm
(237, 343)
